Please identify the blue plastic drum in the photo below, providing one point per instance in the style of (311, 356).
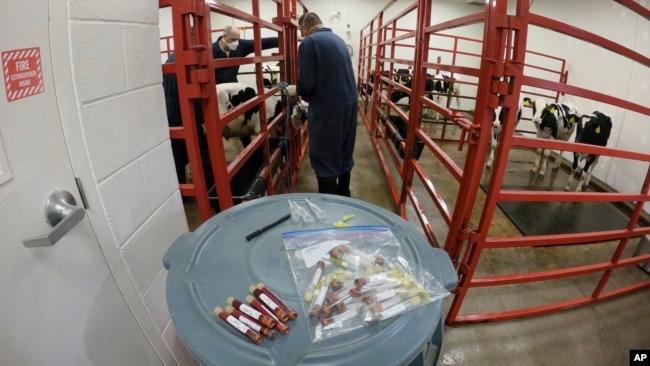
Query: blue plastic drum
(216, 262)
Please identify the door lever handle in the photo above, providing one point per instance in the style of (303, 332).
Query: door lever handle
(63, 214)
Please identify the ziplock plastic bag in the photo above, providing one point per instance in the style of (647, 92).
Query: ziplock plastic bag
(354, 277)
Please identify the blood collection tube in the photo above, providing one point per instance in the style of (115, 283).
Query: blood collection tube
(259, 328)
(366, 290)
(339, 262)
(386, 293)
(343, 275)
(282, 328)
(330, 322)
(387, 312)
(316, 305)
(315, 278)
(346, 256)
(237, 324)
(336, 252)
(336, 284)
(266, 321)
(327, 310)
(339, 300)
(379, 307)
(377, 279)
(270, 304)
(283, 305)
(366, 257)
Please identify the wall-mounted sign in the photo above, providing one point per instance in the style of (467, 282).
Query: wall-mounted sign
(22, 72)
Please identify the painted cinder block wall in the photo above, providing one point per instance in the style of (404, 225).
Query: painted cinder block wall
(121, 151)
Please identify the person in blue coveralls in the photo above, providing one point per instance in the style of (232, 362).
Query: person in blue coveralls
(326, 81)
(228, 45)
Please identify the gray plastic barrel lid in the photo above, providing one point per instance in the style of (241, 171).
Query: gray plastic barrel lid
(216, 262)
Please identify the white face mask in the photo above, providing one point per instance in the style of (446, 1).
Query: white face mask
(233, 45)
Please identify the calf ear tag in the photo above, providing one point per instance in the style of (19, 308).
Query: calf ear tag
(527, 103)
(572, 119)
(552, 109)
(598, 129)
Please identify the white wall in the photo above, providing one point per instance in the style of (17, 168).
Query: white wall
(603, 71)
(113, 113)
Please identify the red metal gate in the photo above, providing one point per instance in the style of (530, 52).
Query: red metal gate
(502, 77)
(194, 70)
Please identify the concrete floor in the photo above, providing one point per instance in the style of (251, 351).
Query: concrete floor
(600, 334)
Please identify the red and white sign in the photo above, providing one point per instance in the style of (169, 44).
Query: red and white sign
(22, 71)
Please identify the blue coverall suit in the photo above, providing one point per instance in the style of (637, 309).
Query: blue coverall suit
(222, 75)
(326, 81)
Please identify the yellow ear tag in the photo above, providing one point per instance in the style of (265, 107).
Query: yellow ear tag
(598, 129)
(572, 120)
(527, 104)
(552, 109)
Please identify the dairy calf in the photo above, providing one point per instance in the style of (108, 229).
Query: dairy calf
(557, 121)
(596, 131)
(497, 126)
(231, 95)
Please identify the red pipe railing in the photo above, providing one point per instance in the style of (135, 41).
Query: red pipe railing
(194, 69)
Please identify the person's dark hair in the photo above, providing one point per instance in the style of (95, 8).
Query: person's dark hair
(309, 20)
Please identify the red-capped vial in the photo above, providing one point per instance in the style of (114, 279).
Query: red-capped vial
(259, 328)
(237, 324)
(253, 302)
(269, 303)
(283, 305)
(265, 320)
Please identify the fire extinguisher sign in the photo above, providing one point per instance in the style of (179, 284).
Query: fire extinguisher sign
(22, 72)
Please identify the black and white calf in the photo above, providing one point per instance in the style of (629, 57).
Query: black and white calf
(445, 85)
(271, 75)
(401, 128)
(596, 131)
(368, 89)
(401, 76)
(230, 95)
(246, 183)
(557, 121)
(538, 106)
(497, 126)
(299, 114)
(434, 87)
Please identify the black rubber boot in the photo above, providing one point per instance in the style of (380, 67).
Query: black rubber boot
(328, 186)
(343, 186)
